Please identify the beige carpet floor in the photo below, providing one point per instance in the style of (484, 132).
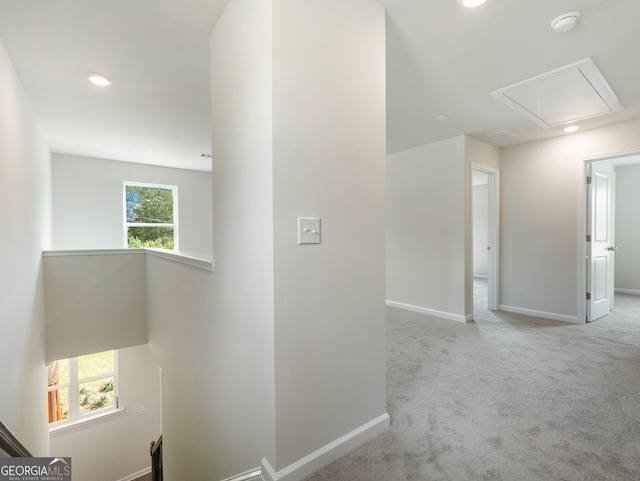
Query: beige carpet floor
(507, 398)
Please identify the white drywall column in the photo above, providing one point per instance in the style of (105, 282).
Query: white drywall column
(25, 216)
(329, 162)
(242, 421)
(298, 93)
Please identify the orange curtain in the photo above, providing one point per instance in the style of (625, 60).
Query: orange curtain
(53, 396)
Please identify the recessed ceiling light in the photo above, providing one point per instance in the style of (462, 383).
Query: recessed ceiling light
(97, 79)
(471, 3)
(571, 128)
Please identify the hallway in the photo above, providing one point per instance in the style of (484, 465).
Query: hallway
(508, 397)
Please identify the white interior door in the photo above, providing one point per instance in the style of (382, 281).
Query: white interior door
(600, 241)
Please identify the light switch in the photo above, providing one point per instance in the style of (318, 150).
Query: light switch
(308, 230)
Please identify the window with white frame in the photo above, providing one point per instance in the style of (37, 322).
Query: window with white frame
(151, 215)
(81, 386)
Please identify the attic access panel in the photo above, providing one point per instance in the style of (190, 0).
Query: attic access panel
(568, 94)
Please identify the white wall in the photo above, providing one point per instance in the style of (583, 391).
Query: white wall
(430, 225)
(542, 186)
(94, 302)
(298, 130)
(117, 446)
(480, 153)
(198, 369)
(88, 198)
(329, 162)
(25, 217)
(239, 342)
(627, 235)
(480, 229)
(426, 226)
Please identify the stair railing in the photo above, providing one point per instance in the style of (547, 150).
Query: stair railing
(156, 459)
(10, 446)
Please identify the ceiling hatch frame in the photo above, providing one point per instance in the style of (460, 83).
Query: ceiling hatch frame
(577, 91)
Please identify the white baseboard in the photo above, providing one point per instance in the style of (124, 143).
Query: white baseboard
(133, 476)
(545, 315)
(634, 292)
(327, 454)
(251, 475)
(431, 312)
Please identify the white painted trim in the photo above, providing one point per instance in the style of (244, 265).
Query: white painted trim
(80, 422)
(133, 476)
(480, 276)
(327, 454)
(542, 314)
(251, 475)
(493, 231)
(182, 258)
(634, 292)
(193, 260)
(93, 252)
(581, 251)
(268, 473)
(431, 312)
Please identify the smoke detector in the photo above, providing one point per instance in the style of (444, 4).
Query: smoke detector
(565, 22)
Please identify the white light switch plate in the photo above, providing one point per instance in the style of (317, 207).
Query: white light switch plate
(308, 230)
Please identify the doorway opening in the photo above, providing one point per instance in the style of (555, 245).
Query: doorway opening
(485, 228)
(611, 238)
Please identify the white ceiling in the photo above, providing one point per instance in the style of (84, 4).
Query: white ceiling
(442, 59)
(156, 52)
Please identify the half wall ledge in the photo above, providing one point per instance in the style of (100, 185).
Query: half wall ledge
(199, 261)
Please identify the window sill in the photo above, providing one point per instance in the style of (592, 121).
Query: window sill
(54, 429)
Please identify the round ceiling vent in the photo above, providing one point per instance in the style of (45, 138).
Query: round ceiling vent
(565, 22)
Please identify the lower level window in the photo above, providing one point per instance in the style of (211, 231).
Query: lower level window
(81, 386)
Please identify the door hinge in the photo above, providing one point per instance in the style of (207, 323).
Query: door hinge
(588, 296)
(588, 238)
(588, 179)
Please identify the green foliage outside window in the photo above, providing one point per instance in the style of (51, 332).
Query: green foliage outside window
(157, 237)
(149, 205)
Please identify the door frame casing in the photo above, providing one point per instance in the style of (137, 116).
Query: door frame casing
(493, 233)
(582, 225)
